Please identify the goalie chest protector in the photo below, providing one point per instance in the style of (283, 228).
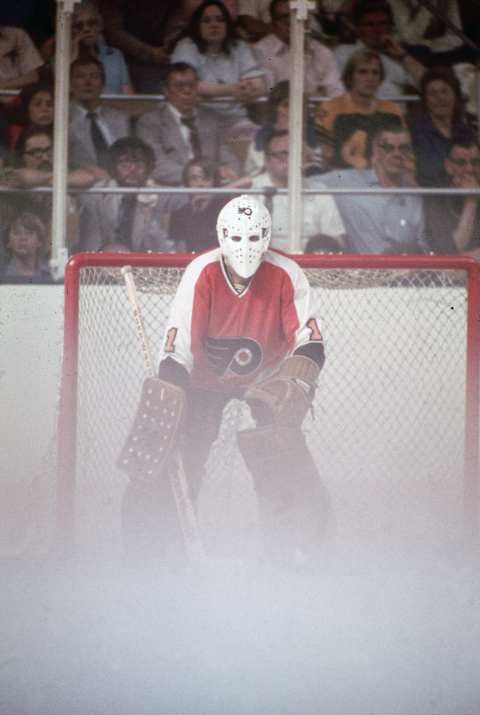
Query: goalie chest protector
(226, 339)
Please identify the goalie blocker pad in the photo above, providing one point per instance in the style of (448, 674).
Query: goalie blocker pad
(155, 430)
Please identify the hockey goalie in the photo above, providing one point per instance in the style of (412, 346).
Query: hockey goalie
(241, 325)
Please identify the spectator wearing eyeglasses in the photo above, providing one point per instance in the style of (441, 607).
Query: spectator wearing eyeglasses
(87, 39)
(32, 163)
(320, 213)
(181, 128)
(452, 223)
(136, 221)
(31, 167)
(382, 223)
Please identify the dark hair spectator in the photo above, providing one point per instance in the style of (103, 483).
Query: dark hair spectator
(86, 61)
(438, 119)
(144, 32)
(373, 24)
(93, 125)
(133, 219)
(389, 224)
(194, 30)
(385, 123)
(133, 147)
(23, 139)
(32, 108)
(229, 75)
(365, 8)
(178, 67)
(452, 223)
(320, 214)
(276, 118)
(181, 127)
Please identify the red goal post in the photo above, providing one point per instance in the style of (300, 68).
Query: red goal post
(397, 403)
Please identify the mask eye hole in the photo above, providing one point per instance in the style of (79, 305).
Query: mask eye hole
(236, 238)
(254, 238)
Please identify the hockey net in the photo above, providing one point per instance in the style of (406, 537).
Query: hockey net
(395, 423)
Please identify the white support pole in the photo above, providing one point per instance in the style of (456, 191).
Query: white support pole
(298, 17)
(59, 254)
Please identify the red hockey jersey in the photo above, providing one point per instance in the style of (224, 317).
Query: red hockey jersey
(225, 339)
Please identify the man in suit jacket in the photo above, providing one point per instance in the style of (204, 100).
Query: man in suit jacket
(131, 222)
(93, 127)
(181, 129)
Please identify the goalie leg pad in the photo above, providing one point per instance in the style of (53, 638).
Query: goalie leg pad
(154, 434)
(294, 505)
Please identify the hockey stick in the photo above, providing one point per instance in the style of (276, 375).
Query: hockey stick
(178, 482)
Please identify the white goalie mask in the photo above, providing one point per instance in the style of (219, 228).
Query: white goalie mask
(244, 228)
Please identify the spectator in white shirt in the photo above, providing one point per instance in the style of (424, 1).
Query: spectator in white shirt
(320, 213)
(322, 76)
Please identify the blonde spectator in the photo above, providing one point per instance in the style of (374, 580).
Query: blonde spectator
(373, 24)
(350, 116)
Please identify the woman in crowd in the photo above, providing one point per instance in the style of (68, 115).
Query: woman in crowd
(193, 226)
(32, 108)
(26, 241)
(436, 122)
(230, 77)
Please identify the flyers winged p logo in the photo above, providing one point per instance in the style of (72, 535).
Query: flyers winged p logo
(240, 356)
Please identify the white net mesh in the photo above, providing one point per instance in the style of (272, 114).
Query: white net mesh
(388, 431)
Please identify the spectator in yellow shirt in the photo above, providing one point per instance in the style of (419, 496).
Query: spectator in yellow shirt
(350, 116)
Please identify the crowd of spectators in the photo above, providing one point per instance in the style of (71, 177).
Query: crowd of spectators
(386, 104)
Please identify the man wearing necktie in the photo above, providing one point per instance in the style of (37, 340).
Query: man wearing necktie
(189, 122)
(181, 129)
(93, 126)
(127, 221)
